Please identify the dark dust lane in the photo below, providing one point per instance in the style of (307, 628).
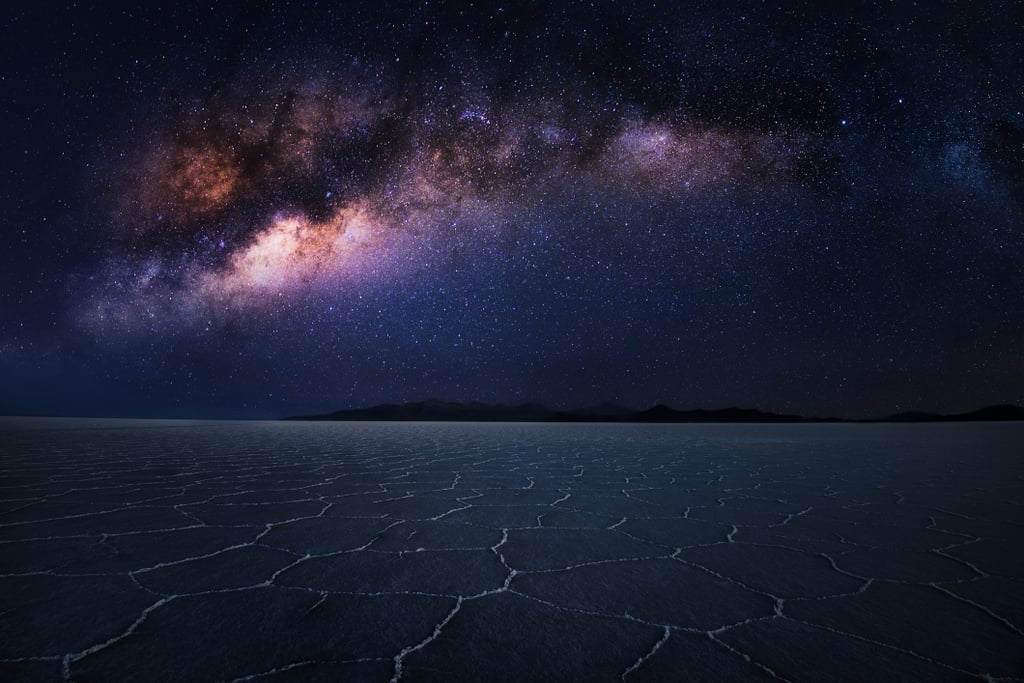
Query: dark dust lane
(228, 551)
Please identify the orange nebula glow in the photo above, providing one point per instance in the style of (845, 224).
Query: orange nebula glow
(296, 253)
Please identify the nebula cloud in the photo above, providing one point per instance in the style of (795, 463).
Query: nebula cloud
(246, 203)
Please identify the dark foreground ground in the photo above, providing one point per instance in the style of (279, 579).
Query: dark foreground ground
(148, 550)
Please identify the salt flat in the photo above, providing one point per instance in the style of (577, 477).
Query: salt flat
(169, 550)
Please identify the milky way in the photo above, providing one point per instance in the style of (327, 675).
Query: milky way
(268, 209)
(247, 203)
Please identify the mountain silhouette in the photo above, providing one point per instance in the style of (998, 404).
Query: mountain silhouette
(436, 410)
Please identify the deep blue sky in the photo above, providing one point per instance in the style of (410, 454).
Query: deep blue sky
(256, 211)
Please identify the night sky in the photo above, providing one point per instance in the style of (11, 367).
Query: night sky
(257, 211)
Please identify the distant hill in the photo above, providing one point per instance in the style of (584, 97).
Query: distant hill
(1005, 412)
(663, 413)
(606, 409)
(435, 410)
(911, 416)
